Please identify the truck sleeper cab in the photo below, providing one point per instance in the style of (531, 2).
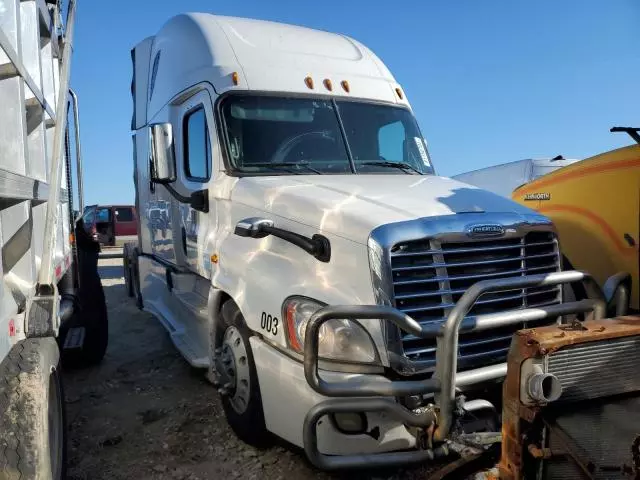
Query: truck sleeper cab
(291, 175)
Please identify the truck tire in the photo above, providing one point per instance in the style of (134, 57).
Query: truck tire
(32, 415)
(127, 267)
(243, 411)
(135, 278)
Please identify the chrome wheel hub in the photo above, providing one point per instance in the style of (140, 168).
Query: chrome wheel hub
(233, 369)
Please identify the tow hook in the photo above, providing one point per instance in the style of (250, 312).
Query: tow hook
(424, 436)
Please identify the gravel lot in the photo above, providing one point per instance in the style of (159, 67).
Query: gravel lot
(144, 413)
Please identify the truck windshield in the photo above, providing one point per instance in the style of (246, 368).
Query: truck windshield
(284, 136)
(103, 215)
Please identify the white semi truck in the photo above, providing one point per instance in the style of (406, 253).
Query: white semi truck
(312, 260)
(51, 299)
(504, 178)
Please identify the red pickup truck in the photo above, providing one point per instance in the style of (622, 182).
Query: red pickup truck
(111, 225)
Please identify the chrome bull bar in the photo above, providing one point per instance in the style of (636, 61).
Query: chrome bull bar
(443, 383)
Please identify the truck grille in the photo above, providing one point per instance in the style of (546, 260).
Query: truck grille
(429, 276)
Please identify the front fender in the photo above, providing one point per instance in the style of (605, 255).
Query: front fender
(259, 274)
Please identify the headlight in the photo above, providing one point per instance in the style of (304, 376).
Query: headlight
(341, 340)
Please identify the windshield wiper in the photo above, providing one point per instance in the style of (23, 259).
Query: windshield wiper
(287, 166)
(400, 165)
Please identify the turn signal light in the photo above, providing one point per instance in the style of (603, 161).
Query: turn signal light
(309, 82)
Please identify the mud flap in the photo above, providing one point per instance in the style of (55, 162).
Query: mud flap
(84, 337)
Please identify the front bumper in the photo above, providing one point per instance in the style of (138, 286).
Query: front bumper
(287, 399)
(442, 385)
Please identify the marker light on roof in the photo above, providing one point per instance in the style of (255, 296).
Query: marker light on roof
(309, 82)
(234, 78)
(327, 84)
(345, 85)
(399, 92)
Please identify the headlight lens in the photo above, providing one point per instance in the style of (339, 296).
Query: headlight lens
(341, 340)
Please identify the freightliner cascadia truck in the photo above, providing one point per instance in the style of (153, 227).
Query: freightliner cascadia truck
(340, 294)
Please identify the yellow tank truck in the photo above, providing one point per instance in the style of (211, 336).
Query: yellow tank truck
(595, 205)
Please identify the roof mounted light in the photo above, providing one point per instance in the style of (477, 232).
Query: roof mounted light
(234, 78)
(399, 93)
(345, 85)
(309, 82)
(327, 83)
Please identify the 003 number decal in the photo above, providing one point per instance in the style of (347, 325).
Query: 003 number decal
(269, 323)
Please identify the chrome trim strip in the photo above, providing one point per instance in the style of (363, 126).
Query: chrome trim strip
(470, 264)
(479, 302)
(471, 250)
(509, 273)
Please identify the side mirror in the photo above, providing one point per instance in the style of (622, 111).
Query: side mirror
(163, 158)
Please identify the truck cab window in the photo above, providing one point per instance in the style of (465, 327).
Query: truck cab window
(383, 133)
(103, 215)
(89, 216)
(284, 136)
(124, 215)
(391, 138)
(197, 146)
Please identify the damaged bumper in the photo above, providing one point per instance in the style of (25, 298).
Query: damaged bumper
(432, 424)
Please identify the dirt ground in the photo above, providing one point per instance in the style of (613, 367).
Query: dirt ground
(144, 413)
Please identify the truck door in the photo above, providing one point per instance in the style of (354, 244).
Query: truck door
(104, 225)
(193, 139)
(89, 218)
(188, 283)
(125, 224)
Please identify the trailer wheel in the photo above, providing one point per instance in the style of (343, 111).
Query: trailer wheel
(241, 401)
(32, 416)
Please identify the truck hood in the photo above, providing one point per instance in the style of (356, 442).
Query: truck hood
(351, 206)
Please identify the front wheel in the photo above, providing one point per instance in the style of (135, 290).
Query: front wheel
(236, 369)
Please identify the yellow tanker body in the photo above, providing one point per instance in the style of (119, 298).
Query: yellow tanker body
(595, 205)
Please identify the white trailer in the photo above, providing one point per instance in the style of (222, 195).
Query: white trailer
(308, 252)
(503, 179)
(50, 294)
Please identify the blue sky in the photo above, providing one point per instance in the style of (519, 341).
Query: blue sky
(489, 81)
